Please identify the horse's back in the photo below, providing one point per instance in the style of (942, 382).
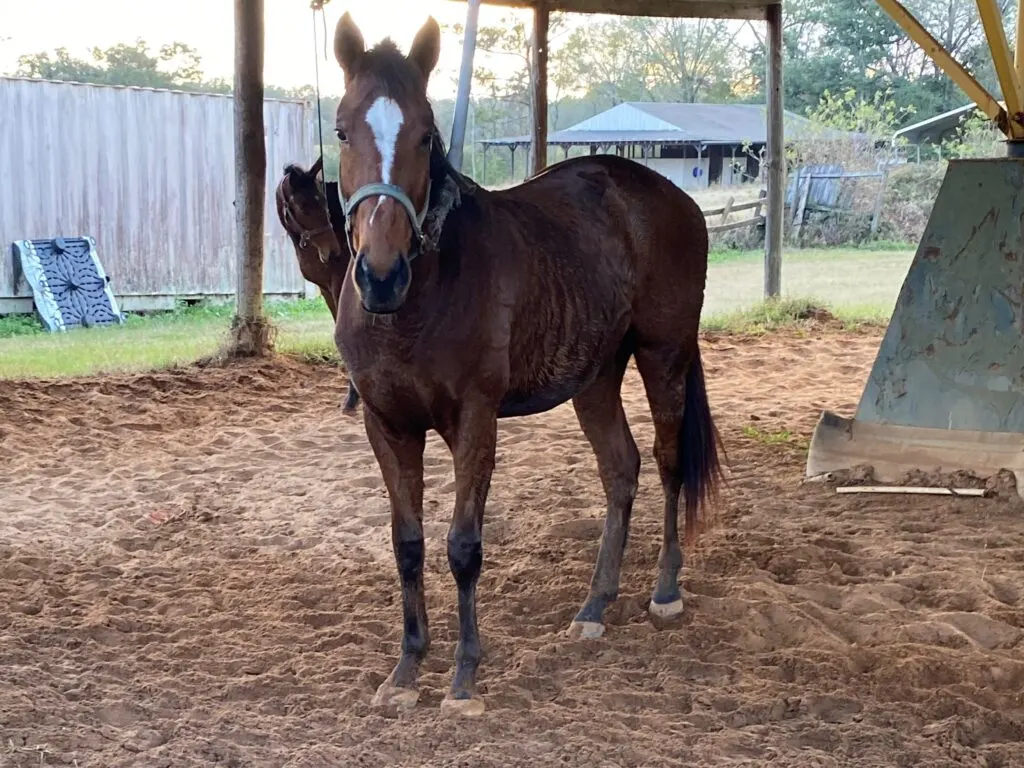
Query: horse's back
(637, 214)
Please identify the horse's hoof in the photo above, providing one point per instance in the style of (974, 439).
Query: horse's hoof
(586, 630)
(388, 695)
(463, 707)
(671, 610)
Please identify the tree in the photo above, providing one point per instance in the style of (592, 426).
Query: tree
(852, 44)
(607, 63)
(176, 65)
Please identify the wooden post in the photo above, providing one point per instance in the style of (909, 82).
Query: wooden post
(539, 92)
(727, 209)
(801, 191)
(456, 148)
(876, 214)
(775, 162)
(251, 331)
(760, 204)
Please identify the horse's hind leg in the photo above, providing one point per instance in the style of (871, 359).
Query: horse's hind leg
(600, 413)
(351, 399)
(663, 370)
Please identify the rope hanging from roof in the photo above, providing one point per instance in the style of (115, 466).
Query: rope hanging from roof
(318, 5)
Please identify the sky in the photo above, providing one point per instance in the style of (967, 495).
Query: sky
(30, 26)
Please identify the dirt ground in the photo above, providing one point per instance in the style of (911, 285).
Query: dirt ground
(195, 569)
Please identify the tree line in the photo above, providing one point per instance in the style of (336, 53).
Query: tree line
(845, 61)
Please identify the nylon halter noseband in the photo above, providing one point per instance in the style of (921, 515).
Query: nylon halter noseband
(396, 193)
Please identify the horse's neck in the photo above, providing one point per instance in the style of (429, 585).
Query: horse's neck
(334, 209)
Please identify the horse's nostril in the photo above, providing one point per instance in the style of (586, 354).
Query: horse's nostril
(393, 271)
(362, 268)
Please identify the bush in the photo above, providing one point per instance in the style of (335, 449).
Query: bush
(909, 198)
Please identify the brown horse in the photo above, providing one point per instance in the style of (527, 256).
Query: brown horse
(466, 305)
(314, 221)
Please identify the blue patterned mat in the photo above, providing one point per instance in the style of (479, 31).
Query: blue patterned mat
(68, 283)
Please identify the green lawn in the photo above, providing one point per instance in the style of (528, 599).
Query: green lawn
(155, 341)
(854, 284)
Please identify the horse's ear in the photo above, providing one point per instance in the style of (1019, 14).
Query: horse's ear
(426, 47)
(348, 44)
(317, 166)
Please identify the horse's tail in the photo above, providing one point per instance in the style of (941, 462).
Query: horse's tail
(700, 470)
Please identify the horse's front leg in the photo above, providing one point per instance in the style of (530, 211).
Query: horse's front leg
(472, 440)
(400, 457)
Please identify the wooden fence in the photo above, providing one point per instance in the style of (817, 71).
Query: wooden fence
(718, 218)
(150, 175)
(821, 189)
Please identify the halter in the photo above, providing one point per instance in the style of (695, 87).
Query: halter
(396, 193)
(306, 235)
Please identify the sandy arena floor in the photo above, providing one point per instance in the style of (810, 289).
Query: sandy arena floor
(195, 569)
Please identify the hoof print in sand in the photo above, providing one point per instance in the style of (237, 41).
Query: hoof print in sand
(463, 707)
(585, 630)
(390, 696)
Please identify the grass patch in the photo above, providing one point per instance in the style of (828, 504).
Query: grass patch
(778, 314)
(311, 349)
(19, 325)
(857, 286)
(156, 341)
(778, 437)
(850, 282)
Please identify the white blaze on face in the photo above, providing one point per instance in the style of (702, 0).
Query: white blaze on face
(385, 120)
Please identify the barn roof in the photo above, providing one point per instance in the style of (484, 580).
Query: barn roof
(935, 128)
(679, 123)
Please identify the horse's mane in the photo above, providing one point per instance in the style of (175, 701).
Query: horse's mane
(442, 168)
(334, 209)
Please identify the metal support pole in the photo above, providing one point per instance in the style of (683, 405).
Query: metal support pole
(539, 96)
(455, 148)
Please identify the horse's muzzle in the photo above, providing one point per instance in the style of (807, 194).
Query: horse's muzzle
(383, 294)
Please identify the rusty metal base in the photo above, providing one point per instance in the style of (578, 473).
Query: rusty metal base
(893, 451)
(947, 386)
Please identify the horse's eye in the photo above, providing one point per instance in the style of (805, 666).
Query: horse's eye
(342, 136)
(427, 138)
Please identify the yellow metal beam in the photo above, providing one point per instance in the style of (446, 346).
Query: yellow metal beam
(992, 21)
(933, 48)
(1018, 58)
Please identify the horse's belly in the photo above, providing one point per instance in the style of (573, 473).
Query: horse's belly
(542, 380)
(540, 400)
(539, 396)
